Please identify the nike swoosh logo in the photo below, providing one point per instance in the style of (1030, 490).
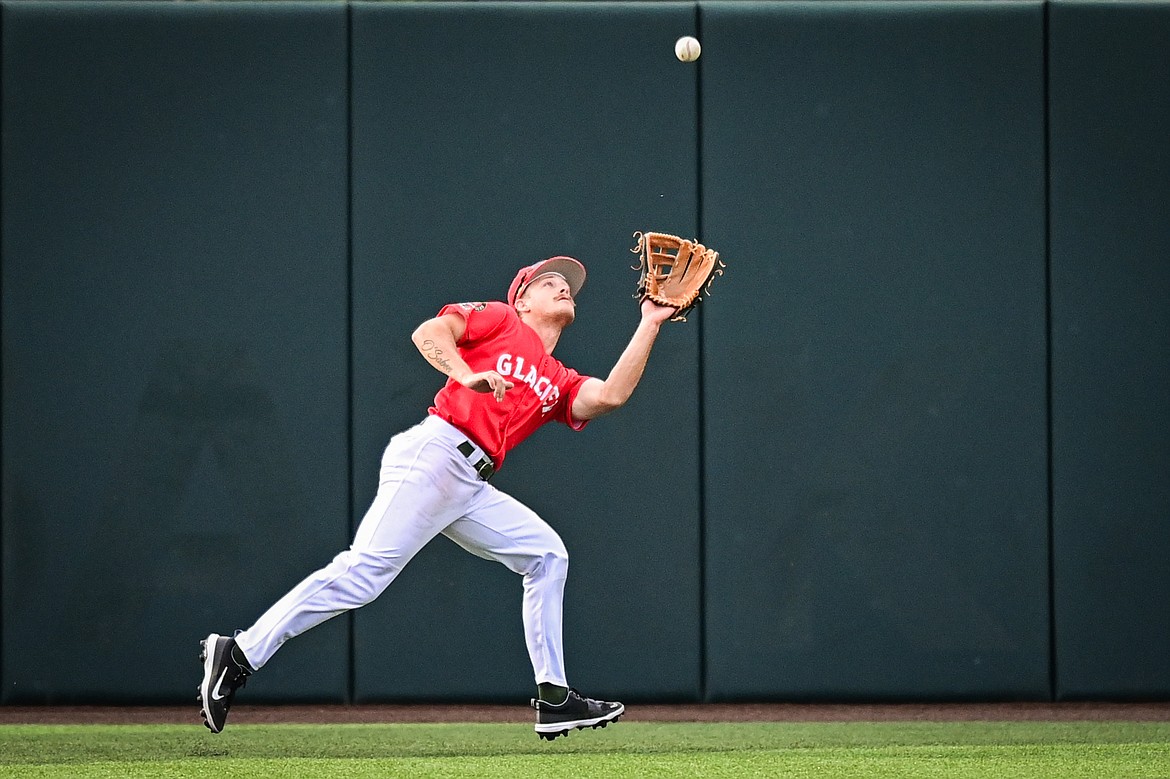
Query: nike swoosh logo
(545, 409)
(215, 696)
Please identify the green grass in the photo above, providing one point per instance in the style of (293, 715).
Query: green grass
(982, 750)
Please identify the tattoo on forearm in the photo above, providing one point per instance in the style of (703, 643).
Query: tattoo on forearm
(435, 355)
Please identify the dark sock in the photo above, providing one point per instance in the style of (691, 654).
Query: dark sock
(552, 693)
(241, 661)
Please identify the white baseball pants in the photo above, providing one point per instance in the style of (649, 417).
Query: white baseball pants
(428, 487)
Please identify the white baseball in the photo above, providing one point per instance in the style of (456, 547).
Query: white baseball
(687, 49)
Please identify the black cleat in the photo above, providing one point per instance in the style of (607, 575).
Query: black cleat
(576, 712)
(222, 676)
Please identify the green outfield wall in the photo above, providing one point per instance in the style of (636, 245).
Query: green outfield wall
(914, 448)
(175, 311)
(887, 536)
(1110, 222)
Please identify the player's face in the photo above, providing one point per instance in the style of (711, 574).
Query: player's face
(549, 295)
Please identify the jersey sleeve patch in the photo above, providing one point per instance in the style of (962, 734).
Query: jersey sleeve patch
(482, 318)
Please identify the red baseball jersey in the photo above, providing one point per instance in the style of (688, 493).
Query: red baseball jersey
(496, 340)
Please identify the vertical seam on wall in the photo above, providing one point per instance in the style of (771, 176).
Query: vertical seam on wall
(350, 680)
(702, 422)
(1046, 76)
(3, 515)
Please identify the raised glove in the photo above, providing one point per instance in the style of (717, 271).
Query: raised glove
(675, 272)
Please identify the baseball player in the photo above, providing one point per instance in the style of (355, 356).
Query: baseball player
(503, 383)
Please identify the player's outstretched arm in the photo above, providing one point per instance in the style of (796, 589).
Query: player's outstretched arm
(435, 339)
(597, 397)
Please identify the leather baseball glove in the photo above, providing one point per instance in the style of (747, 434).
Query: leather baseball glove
(675, 272)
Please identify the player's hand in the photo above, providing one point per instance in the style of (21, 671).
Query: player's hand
(488, 381)
(655, 313)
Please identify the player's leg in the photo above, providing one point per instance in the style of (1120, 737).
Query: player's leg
(499, 527)
(423, 485)
(502, 529)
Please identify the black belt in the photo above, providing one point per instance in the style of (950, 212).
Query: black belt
(484, 466)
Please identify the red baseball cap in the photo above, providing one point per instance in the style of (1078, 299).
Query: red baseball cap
(571, 270)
